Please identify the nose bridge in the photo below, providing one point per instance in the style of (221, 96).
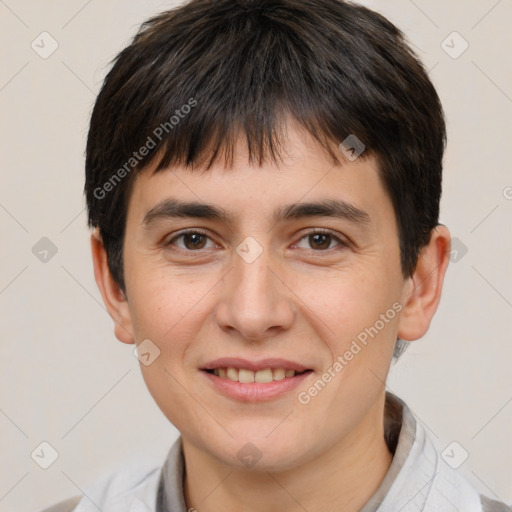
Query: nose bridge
(252, 283)
(254, 301)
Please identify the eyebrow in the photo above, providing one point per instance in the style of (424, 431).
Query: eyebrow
(173, 208)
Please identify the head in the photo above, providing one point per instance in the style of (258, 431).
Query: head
(306, 135)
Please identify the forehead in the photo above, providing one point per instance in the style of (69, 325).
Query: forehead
(304, 173)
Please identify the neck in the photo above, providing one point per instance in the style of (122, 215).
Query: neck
(342, 478)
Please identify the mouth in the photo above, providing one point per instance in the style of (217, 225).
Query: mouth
(247, 376)
(250, 381)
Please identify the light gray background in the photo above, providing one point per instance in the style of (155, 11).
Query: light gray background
(66, 380)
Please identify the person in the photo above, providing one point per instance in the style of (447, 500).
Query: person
(263, 182)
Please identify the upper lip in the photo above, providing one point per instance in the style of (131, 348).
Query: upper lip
(260, 364)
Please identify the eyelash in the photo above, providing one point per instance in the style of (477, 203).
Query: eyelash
(321, 231)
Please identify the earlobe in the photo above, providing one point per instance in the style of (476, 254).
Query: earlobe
(425, 286)
(113, 296)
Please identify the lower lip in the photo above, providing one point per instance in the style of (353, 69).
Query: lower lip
(255, 391)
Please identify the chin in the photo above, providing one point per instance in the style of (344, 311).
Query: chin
(257, 450)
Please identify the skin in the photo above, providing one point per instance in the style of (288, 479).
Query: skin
(302, 299)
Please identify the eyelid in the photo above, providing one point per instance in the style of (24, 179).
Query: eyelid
(187, 231)
(342, 242)
(312, 231)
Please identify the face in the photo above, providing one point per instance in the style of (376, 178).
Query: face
(283, 272)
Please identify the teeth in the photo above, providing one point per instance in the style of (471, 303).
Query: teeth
(263, 376)
(247, 376)
(279, 373)
(232, 374)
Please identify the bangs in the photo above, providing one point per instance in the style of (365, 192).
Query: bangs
(202, 145)
(272, 75)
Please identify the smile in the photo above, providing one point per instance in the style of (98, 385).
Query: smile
(244, 380)
(248, 376)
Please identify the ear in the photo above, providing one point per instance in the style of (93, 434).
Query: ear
(113, 297)
(425, 286)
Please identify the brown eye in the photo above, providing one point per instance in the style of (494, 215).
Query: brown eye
(319, 241)
(192, 241)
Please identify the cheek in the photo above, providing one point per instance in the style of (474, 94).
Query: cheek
(160, 300)
(345, 303)
(170, 310)
(170, 316)
(362, 316)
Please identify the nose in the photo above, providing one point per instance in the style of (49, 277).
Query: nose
(255, 301)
